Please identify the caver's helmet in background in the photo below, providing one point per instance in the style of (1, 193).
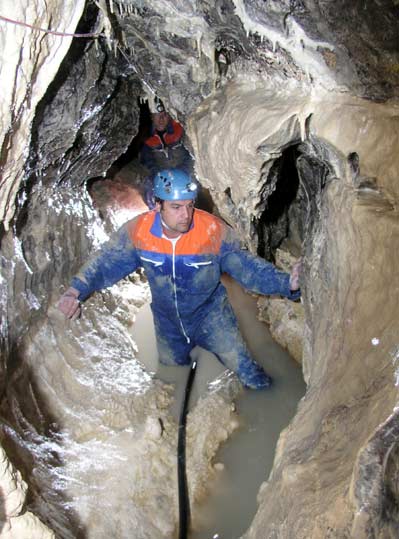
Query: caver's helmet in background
(174, 184)
(158, 105)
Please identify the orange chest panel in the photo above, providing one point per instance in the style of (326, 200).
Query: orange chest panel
(173, 135)
(204, 237)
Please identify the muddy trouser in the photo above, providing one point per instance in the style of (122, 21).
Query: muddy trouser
(218, 332)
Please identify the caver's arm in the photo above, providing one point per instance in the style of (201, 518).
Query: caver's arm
(116, 259)
(254, 273)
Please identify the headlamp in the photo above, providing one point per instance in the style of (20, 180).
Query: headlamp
(191, 186)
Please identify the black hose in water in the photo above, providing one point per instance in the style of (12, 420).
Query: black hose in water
(184, 501)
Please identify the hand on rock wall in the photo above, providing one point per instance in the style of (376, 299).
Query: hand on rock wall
(295, 274)
(69, 304)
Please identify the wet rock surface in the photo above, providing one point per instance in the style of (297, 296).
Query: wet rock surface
(89, 428)
(97, 122)
(306, 40)
(286, 319)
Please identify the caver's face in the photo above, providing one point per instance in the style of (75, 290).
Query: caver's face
(177, 215)
(160, 120)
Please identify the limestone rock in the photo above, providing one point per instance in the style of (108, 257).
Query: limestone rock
(15, 521)
(286, 319)
(286, 323)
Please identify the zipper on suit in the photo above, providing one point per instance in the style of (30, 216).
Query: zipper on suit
(175, 290)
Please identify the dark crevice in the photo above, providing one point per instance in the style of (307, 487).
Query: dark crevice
(314, 175)
(133, 149)
(279, 219)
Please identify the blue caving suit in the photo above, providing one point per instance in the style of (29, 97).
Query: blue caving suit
(189, 302)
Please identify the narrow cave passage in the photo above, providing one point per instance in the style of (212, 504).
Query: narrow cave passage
(106, 418)
(112, 425)
(89, 429)
(245, 458)
(121, 193)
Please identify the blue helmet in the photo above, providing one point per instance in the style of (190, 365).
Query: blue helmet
(174, 184)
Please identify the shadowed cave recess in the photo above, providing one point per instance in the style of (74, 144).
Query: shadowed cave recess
(290, 111)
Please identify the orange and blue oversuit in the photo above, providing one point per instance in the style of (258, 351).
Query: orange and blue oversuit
(163, 151)
(189, 302)
(166, 151)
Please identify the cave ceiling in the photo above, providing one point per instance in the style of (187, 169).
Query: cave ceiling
(184, 51)
(345, 46)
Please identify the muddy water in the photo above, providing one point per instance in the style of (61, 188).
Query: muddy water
(248, 455)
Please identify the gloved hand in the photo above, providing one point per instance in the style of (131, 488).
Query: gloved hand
(69, 304)
(295, 274)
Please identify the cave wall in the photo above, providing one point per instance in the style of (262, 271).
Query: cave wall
(350, 353)
(30, 60)
(345, 421)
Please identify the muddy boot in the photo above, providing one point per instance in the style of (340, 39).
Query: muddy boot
(252, 376)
